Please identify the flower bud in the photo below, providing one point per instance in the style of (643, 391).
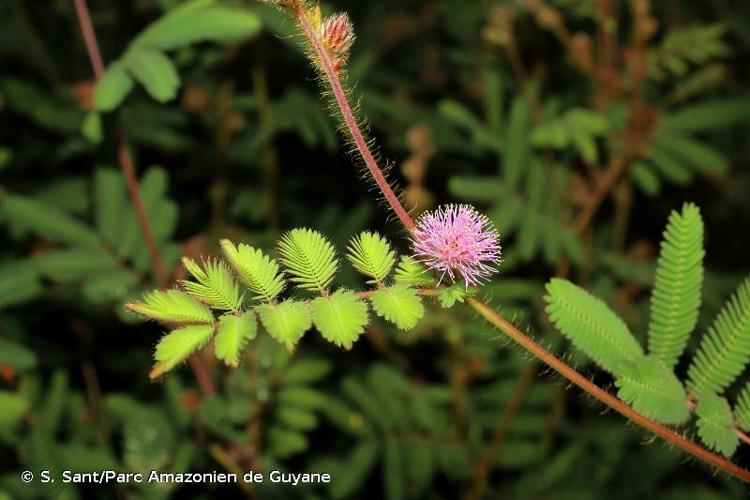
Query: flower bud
(337, 35)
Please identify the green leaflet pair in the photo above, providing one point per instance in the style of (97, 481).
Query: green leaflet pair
(647, 381)
(309, 261)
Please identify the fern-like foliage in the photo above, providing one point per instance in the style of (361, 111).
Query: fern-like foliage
(177, 345)
(232, 333)
(653, 390)
(311, 261)
(398, 304)
(340, 317)
(258, 272)
(411, 272)
(715, 424)
(286, 322)
(742, 410)
(309, 257)
(648, 383)
(676, 297)
(725, 350)
(215, 285)
(371, 255)
(172, 307)
(592, 326)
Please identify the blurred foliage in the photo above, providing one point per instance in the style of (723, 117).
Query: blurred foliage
(538, 112)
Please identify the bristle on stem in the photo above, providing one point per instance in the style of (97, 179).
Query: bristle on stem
(341, 36)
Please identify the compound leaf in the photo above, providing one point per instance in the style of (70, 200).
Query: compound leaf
(215, 285)
(309, 257)
(177, 345)
(725, 349)
(653, 390)
(232, 333)
(172, 307)
(340, 317)
(715, 424)
(742, 410)
(197, 21)
(411, 272)
(398, 304)
(113, 88)
(676, 297)
(592, 326)
(286, 322)
(371, 255)
(258, 272)
(154, 71)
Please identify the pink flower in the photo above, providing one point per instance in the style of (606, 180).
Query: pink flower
(457, 239)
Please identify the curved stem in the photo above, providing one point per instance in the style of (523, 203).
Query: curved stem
(350, 121)
(571, 374)
(128, 171)
(485, 311)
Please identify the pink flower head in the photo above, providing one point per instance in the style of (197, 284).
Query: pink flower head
(457, 239)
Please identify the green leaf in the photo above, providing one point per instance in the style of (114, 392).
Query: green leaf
(371, 255)
(256, 271)
(14, 407)
(215, 285)
(742, 410)
(708, 115)
(341, 317)
(154, 71)
(48, 222)
(110, 199)
(74, 264)
(725, 350)
(715, 424)
(172, 307)
(197, 21)
(286, 322)
(393, 470)
(676, 297)
(178, 345)
(592, 326)
(398, 304)
(357, 466)
(309, 257)
(285, 443)
(19, 282)
(644, 176)
(112, 88)
(91, 127)
(411, 272)
(232, 333)
(455, 293)
(700, 156)
(297, 418)
(306, 371)
(653, 390)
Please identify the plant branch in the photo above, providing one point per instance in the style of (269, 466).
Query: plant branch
(603, 396)
(332, 75)
(128, 172)
(616, 168)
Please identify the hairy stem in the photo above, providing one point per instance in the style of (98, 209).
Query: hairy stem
(332, 76)
(128, 171)
(483, 309)
(612, 402)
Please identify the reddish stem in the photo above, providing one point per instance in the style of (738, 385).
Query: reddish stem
(484, 310)
(350, 121)
(128, 171)
(603, 396)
